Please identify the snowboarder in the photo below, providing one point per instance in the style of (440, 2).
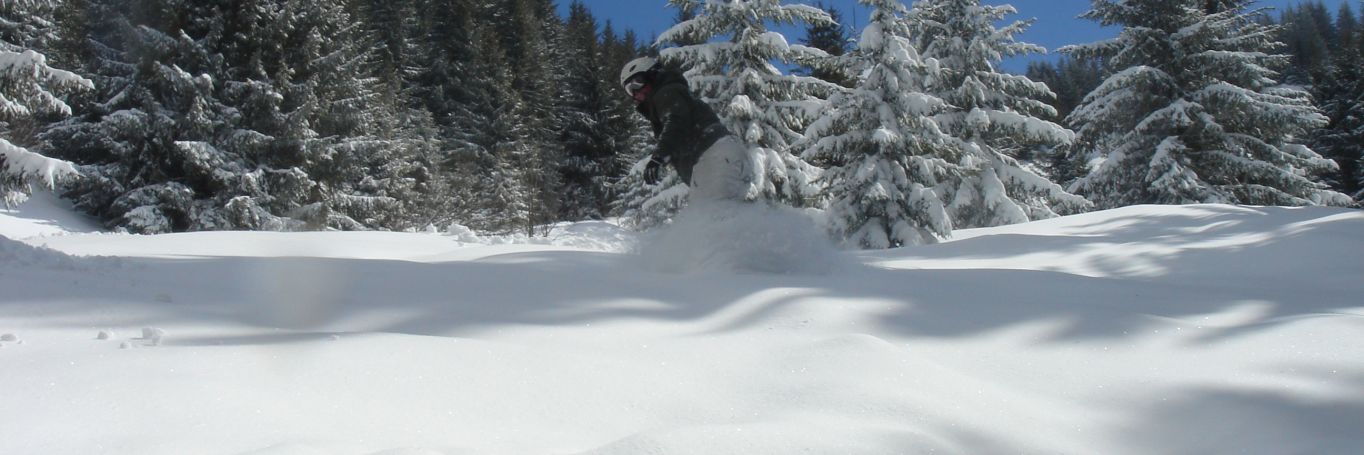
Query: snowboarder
(691, 138)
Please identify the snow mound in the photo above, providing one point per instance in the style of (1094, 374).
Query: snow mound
(741, 238)
(16, 254)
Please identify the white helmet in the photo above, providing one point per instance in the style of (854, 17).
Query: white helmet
(636, 66)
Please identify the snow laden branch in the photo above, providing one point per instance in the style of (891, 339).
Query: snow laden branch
(30, 88)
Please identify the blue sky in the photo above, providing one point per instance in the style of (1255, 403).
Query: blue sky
(1056, 24)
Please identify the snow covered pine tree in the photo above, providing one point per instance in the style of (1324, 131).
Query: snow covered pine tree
(885, 155)
(995, 115)
(29, 89)
(203, 125)
(1192, 113)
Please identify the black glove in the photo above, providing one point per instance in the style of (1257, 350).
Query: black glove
(652, 170)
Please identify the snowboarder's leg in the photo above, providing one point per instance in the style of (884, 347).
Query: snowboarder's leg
(725, 172)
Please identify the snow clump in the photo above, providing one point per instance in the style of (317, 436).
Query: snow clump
(153, 335)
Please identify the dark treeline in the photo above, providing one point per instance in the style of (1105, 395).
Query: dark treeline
(1070, 78)
(1326, 55)
(357, 114)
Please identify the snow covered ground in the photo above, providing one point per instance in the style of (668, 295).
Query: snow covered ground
(1170, 330)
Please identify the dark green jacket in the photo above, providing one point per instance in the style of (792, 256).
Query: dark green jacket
(684, 125)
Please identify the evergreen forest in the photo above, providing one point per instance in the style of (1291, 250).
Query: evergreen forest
(506, 116)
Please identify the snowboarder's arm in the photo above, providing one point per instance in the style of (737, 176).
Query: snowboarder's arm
(675, 115)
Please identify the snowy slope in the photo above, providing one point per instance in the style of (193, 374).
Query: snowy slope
(1173, 330)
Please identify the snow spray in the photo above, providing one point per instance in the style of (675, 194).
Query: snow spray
(741, 237)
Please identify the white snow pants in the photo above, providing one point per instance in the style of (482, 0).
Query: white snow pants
(725, 172)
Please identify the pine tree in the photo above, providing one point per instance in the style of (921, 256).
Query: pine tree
(327, 113)
(159, 139)
(408, 166)
(585, 136)
(535, 71)
(30, 91)
(761, 106)
(834, 39)
(1192, 113)
(600, 128)
(369, 158)
(502, 199)
(1342, 99)
(442, 79)
(404, 169)
(886, 157)
(486, 72)
(1070, 78)
(394, 27)
(1306, 34)
(1358, 132)
(227, 115)
(997, 116)
(444, 83)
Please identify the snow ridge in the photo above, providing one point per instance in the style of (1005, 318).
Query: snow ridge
(16, 254)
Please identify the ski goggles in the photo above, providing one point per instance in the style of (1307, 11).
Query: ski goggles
(634, 84)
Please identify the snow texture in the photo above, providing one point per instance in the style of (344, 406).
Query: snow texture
(1147, 329)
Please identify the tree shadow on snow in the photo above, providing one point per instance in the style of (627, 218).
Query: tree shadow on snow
(1229, 419)
(1284, 270)
(1287, 263)
(1256, 268)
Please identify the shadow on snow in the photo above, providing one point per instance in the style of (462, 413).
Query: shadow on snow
(1306, 267)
